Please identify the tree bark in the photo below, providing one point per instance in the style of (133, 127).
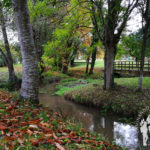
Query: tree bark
(109, 68)
(29, 88)
(94, 41)
(72, 62)
(93, 60)
(146, 28)
(8, 57)
(87, 65)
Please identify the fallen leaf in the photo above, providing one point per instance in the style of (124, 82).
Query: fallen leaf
(59, 146)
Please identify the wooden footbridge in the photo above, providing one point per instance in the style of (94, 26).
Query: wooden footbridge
(131, 67)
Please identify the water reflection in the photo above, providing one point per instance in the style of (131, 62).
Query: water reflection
(109, 127)
(125, 134)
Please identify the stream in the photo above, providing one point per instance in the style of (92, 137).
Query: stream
(110, 127)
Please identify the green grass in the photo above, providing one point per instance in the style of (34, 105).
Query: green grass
(65, 85)
(98, 64)
(133, 82)
(4, 72)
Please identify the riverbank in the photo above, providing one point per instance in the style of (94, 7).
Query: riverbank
(28, 127)
(123, 100)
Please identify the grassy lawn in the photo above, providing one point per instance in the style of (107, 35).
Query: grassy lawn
(133, 82)
(4, 72)
(98, 64)
(71, 85)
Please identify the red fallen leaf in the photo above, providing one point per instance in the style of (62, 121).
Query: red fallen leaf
(32, 127)
(2, 132)
(9, 108)
(59, 146)
(41, 139)
(20, 141)
(44, 124)
(63, 137)
(47, 130)
(48, 141)
(34, 142)
(73, 134)
(23, 123)
(48, 135)
(11, 146)
(2, 126)
(65, 130)
(76, 140)
(23, 131)
(34, 122)
(29, 132)
(54, 135)
(18, 116)
(90, 141)
(10, 138)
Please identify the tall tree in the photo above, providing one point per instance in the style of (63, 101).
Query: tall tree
(109, 19)
(29, 88)
(8, 56)
(146, 17)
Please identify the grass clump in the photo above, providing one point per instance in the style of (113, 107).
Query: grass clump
(71, 84)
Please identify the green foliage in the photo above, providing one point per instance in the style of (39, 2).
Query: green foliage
(15, 52)
(44, 8)
(65, 39)
(2, 61)
(7, 3)
(132, 45)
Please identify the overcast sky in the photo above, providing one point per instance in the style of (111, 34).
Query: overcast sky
(135, 22)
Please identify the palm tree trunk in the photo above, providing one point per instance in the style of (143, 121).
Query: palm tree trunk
(29, 88)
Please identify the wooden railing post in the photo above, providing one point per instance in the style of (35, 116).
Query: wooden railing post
(148, 66)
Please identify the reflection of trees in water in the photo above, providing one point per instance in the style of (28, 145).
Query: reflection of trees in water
(104, 126)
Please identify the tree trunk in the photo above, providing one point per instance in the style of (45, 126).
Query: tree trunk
(109, 68)
(29, 88)
(139, 88)
(94, 41)
(87, 65)
(65, 64)
(65, 69)
(93, 60)
(146, 28)
(72, 62)
(12, 78)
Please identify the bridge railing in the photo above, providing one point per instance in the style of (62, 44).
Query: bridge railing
(131, 65)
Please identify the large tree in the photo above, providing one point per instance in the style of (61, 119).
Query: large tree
(29, 88)
(109, 19)
(7, 56)
(145, 7)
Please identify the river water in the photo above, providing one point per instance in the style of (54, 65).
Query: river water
(110, 127)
